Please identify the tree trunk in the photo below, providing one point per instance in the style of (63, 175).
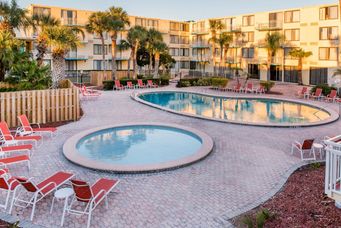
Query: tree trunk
(42, 49)
(113, 53)
(129, 60)
(133, 51)
(300, 80)
(268, 65)
(103, 54)
(157, 64)
(58, 71)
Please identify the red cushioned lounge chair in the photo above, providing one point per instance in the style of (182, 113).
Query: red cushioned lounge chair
(140, 84)
(238, 88)
(306, 146)
(91, 196)
(27, 129)
(19, 148)
(318, 94)
(8, 139)
(38, 191)
(89, 93)
(150, 84)
(7, 184)
(249, 88)
(332, 97)
(130, 85)
(118, 85)
(5, 161)
(303, 93)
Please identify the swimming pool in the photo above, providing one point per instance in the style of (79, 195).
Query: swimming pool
(138, 147)
(250, 110)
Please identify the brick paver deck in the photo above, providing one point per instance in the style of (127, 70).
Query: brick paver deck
(248, 165)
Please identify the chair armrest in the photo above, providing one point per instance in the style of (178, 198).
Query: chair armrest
(12, 137)
(47, 185)
(98, 194)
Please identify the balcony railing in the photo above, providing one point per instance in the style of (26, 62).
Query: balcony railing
(203, 44)
(200, 31)
(75, 56)
(201, 58)
(70, 21)
(271, 26)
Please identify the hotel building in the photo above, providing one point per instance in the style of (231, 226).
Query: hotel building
(313, 28)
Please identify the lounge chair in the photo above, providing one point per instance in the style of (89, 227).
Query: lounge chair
(249, 88)
(38, 191)
(332, 97)
(317, 95)
(140, 84)
(91, 196)
(118, 85)
(303, 92)
(19, 148)
(7, 184)
(130, 85)
(5, 161)
(89, 93)
(306, 146)
(150, 84)
(259, 90)
(27, 129)
(8, 139)
(238, 88)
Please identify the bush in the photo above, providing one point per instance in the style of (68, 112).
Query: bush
(326, 89)
(194, 82)
(108, 85)
(219, 82)
(8, 90)
(267, 85)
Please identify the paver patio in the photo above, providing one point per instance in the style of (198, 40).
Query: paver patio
(248, 165)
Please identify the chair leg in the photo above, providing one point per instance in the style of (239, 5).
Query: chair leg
(89, 218)
(106, 201)
(302, 158)
(13, 200)
(34, 206)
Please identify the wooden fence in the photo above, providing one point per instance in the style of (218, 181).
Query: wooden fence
(40, 106)
(97, 77)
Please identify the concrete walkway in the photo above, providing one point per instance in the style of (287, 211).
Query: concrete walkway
(248, 165)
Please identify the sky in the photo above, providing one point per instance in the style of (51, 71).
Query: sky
(181, 9)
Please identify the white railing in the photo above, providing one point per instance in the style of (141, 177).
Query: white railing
(333, 167)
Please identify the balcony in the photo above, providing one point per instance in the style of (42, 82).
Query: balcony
(73, 56)
(235, 28)
(203, 44)
(271, 26)
(201, 58)
(200, 31)
(70, 22)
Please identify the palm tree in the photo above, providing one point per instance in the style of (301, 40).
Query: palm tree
(300, 54)
(118, 19)
(215, 27)
(153, 37)
(224, 40)
(273, 42)
(12, 17)
(98, 24)
(8, 46)
(40, 22)
(158, 48)
(61, 39)
(136, 35)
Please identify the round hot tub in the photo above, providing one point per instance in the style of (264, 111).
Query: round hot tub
(138, 147)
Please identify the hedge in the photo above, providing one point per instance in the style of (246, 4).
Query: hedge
(109, 85)
(326, 89)
(221, 82)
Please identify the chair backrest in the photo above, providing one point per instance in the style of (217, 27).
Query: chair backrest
(238, 86)
(150, 82)
(333, 93)
(130, 84)
(139, 81)
(25, 122)
(318, 92)
(27, 184)
(249, 85)
(304, 90)
(117, 83)
(307, 144)
(82, 190)
(4, 130)
(3, 179)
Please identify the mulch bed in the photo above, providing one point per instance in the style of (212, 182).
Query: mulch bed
(301, 203)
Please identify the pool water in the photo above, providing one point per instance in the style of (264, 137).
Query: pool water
(248, 110)
(139, 145)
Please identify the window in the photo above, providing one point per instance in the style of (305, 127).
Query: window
(97, 36)
(98, 49)
(174, 39)
(174, 26)
(184, 51)
(291, 74)
(184, 40)
(41, 11)
(184, 64)
(329, 13)
(318, 76)
(248, 20)
(329, 33)
(287, 51)
(253, 70)
(150, 23)
(328, 53)
(184, 27)
(98, 65)
(292, 16)
(249, 36)
(174, 51)
(69, 17)
(71, 65)
(248, 52)
(292, 34)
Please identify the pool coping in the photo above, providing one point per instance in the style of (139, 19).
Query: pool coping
(334, 116)
(70, 151)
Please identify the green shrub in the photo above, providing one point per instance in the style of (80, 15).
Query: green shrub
(326, 89)
(164, 81)
(219, 82)
(184, 83)
(187, 82)
(267, 85)
(140, 76)
(3, 90)
(108, 85)
(262, 217)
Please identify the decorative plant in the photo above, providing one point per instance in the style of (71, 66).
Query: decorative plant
(267, 85)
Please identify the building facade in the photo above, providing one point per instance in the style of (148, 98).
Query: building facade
(314, 28)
